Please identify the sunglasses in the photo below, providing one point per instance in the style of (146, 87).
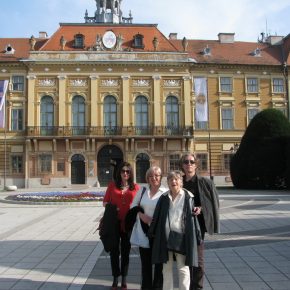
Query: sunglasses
(188, 162)
(125, 171)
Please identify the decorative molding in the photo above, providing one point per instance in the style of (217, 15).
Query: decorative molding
(156, 77)
(125, 77)
(110, 83)
(62, 77)
(31, 77)
(46, 82)
(94, 77)
(171, 83)
(78, 83)
(141, 83)
(186, 78)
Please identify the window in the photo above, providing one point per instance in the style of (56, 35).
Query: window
(46, 115)
(227, 119)
(174, 162)
(202, 161)
(16, 164)
(252, 112)
(45, 161)
(17, 119)
(226, 84)
(78, 115)
(278, 85)
(172, 115)
(252, 85)
(141, 114)
(18, 83)
(200, 125)
(79, 41)
(138, 41)
(110, 115)
(227, 157)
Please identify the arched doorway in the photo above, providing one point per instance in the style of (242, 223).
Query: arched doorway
(78, 169)
(109, 158)
(142, 165)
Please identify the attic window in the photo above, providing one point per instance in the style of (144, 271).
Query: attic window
(79, 41)
(138, 41)
(206, 51)
(9, 49)
(256, 52)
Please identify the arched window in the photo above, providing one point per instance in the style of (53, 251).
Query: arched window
(79, 41)
(172, 115)
(110, 115)
(78, 115)
(142, 165)
(46, 115)
(141, 115)
(138, 41)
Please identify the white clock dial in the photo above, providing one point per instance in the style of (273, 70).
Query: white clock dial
(109, 39)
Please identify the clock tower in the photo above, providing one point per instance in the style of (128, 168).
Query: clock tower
(108, 11)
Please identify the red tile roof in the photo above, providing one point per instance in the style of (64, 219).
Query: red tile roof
(90, 32)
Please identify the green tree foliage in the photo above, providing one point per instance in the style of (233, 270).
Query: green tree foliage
(261, 160)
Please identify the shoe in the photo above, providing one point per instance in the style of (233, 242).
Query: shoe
(114, 288)
(124, 287)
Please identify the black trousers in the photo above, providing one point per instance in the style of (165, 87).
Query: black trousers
(125, 246)
(149, 282)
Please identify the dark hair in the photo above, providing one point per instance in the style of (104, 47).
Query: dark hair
(183, 157)
(118, 181)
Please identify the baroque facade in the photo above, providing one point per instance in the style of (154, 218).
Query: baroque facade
(107, 90)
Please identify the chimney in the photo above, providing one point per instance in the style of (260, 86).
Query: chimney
(226, 37)
(43, 34)
(173, 36)
(274, 39)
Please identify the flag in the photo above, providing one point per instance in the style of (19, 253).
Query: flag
(3, 88)
(201, 107)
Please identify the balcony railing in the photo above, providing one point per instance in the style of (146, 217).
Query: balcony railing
(101, 131)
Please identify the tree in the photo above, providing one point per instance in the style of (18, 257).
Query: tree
(260, 161)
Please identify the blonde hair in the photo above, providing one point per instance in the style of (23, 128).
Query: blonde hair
(151, 170)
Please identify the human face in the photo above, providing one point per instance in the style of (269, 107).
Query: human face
(154, 179)
(125, 173)
(189, 165)
(174, 184)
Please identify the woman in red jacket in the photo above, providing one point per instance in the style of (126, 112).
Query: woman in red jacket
(121, 192)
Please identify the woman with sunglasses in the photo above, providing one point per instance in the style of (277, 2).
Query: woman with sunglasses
(206, 209)
(121, 192)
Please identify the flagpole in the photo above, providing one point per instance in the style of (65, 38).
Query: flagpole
(5, 151)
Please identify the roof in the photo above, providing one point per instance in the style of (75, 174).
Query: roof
(232, 53)
(220, 53)
(90, 32)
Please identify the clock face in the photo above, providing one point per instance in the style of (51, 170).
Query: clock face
(109, 39)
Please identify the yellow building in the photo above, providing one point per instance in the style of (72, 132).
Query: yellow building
(107, 90)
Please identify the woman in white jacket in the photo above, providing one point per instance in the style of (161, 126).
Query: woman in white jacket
(147, 198)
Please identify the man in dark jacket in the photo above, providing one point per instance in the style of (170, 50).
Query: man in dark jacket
(206, 202)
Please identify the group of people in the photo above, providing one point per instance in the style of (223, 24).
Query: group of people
(179, 214)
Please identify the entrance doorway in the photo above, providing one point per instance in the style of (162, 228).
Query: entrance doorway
(109, 158)
(78, 169)
(142, 165)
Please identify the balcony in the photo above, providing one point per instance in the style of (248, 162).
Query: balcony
(109, 131)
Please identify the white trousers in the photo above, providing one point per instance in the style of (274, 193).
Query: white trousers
(183, 273)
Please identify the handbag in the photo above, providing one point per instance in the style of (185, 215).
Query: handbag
(176, 241)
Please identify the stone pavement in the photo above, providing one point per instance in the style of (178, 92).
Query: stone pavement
(55, 247)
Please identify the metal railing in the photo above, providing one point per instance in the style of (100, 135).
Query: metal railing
(101, 131)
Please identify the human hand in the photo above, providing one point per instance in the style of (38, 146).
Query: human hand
(196, 210)
(145, 218)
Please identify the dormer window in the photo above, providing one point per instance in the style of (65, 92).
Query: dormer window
(9, 49)
(256, 52)
(138, 41)
(79, 41)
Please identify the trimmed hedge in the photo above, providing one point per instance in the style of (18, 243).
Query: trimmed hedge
(261, 160)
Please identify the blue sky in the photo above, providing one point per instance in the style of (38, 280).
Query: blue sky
(196, 19)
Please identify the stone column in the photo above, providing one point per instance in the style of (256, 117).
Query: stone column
(61, 100)
(126, 99)
(31, 101)
(156, 99)
(187, 104)
(95, 110)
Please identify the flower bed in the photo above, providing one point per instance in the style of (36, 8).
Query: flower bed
(59, 196)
